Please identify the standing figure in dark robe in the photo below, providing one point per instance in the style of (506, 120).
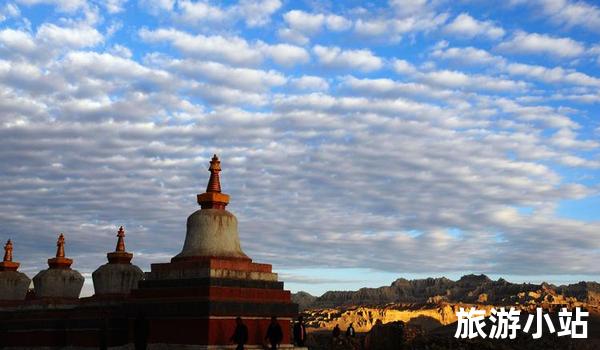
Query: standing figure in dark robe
(350, 331)
(240, 335)
(299, 332)
(336, 332)
(274, 333)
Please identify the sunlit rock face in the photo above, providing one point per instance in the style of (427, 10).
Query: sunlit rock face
(212, 233)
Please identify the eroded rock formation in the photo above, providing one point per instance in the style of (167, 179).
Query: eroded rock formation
(433, 302)
(476, 289)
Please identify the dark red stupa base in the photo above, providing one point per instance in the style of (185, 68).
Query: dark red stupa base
(197, 307)
(202, 309)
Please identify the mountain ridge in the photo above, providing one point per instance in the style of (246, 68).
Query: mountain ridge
(468, 289)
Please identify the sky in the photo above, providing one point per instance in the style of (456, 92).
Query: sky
(360, 141)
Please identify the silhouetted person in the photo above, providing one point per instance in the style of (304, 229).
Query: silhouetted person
(336, 331)
(240, 335)
(335, 336)
(274, 333)
(141, 332)
(299, 332)
(350, 331)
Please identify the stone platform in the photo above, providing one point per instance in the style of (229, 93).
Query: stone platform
(196, 301)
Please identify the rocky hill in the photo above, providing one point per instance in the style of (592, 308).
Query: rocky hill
(468, 289)
(426, 308)
(303, 299)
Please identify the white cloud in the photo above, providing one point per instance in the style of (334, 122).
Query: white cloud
(254, 13)
(200, 11)
(404, 67)
(16, 40)
(28, 77)
(465, 26)
(595, 51)
(458, 80)
(410, 7)
(373, 27)
(552, 75)
(155, 7)
(293, 36)
(545, 115)
(62, 5)
(542, 44)
(302, 25)
(337, 23)
(113, 28)
(567, 138)
(392, 28)
(230, 49)
(258, 13)
(571, 13)
(309, 82)
(49, 40)
(285, 54)
(114, 6)
(389, 89)
(120, 50)
(467, 56)
(9, 11)
(363, 60)
(303, 21)
(97, 76)
(246, 79)
(223, 95)
(455, 79)
(73, 37)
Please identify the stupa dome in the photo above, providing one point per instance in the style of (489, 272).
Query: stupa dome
(119, 276)
(59, 280)
(13, 284)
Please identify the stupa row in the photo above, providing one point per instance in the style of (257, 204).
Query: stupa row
(191, 302)
(117, 277)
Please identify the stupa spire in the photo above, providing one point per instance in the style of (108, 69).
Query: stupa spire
(120, 256)
(213, 198)
(59, 261)
(60, 246)
(7, 264)
(214, 183)
(120, 240)
(8, 251)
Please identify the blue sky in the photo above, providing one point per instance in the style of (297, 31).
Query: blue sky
(360, 141)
